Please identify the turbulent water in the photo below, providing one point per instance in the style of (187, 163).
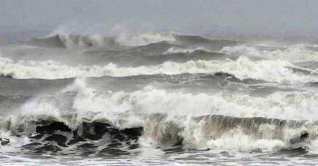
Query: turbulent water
(157, 99)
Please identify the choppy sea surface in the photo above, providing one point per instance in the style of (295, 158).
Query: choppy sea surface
(157, 99)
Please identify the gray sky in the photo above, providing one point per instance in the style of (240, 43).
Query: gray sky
(253, 17)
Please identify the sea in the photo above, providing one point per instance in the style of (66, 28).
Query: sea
(157, 98)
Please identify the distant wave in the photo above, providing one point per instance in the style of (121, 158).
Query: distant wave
(144, 39)
(175, 50)
(65, 40)
(154, 54)
(294, 53)
(199, 40)
(54, 41)
(242, 68)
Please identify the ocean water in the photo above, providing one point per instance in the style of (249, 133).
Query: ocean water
(157, 99)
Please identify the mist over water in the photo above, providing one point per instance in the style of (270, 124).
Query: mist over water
(176, 83)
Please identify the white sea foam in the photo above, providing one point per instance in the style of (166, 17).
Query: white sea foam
(294, 53)
(242, 68)
(72, 41)
(196, 137)
(125, 110)
(166, 115)
(175, 50)
(150, 100)
(144, 38)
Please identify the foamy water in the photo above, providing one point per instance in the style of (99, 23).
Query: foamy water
(204, 101)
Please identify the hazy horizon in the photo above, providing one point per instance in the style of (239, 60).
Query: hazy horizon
(245, 17)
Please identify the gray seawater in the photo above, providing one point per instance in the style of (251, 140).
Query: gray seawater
(157, 99)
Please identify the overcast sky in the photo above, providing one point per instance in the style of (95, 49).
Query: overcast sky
(191, 16)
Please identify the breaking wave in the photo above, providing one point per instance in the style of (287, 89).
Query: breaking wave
(144, 39)
(178, 95)
(174, 50)
(242, 68)
(80, 116)
(65, 40)
(294, 53)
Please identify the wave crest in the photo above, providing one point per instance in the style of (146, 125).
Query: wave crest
(294, 53)
(80, 113)
(174, 50)
(242, 68)
(65, 40)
